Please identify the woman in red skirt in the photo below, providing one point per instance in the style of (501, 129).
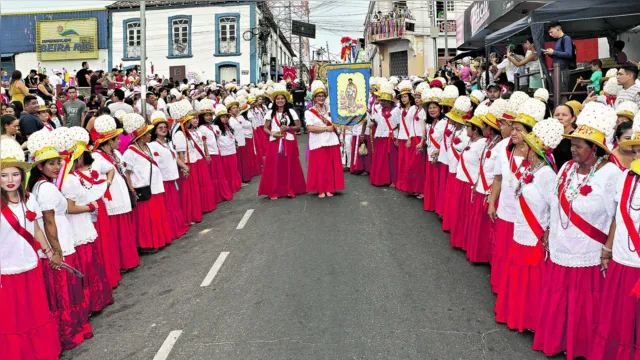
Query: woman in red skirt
(432, 142)
(255, 115)
(384, 167)
(169, 164)
(449, 96)
(116, 233)
(143, 173)
(27, 327)
(617, 327)
(220, 185)
(522, 279)
(189, 153)
(242, 153)
(282, 175)
(64, 290)
(227, 146)
(583, 207)
(411, 161)
(325, 174)
(83, 189)
(253, 162)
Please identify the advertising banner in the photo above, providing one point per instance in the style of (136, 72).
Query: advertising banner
(67, 39)
(348, 92)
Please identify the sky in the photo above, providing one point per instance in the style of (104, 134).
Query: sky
(333, 18)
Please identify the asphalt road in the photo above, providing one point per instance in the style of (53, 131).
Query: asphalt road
(364, 275)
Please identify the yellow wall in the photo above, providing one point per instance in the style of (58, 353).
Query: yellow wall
(415, 64)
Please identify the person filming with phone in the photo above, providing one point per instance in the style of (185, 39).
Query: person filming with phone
(562, 54)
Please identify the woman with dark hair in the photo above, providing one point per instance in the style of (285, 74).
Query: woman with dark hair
(226, 142)
(411, 161)
(254, 162)
(9, 127)
(54, 116)
(242, 151)
(432, 144)
(116, 233)
(45, 90)
(384, 163)
(17, 89)
(27, 327)
(582, 209)
(219, 184)
(622, 156)
(18, 107)
(282, 174)
(65, 290)
(462, 87)
(567, 116)
(169, 164)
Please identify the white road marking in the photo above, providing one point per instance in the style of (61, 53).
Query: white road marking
(205, 231)
(166, 347)
(244, 220)
(214, 269)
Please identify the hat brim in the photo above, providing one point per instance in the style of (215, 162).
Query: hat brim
(149, 128)
(455, 117)
(118, 132)
(17, 164)
(486, 120)
(46, 158)
(599, 144)
(280, 92)
(629, 142)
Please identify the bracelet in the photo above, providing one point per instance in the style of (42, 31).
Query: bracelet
(92, 207)
(290, 129)
(604, 248)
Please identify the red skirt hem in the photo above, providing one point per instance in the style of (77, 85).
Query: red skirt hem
(231, 173)
(479, 229)
(411, 167)
(363, 163)
(109, 244)
(443, 178)
(282, 175)
(126, 234)
(97, 291)
(384, 163)
(175, 216)
(325, 174)
(219, 181)
(190, 195)
(500, 242)
(431, 185)
(207, 191)
(152, 226)
(459, 214)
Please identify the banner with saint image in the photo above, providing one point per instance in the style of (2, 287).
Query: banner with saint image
(348, 92)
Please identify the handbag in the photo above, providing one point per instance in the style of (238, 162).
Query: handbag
(363, 151)
(144, 192)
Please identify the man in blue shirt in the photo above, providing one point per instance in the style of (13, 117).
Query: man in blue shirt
(561, 54)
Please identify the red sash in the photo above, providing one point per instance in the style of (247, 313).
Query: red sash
(445, 136)
(433, 141)
(390, 137)
(17, 227)
(537, 229)
(404, 124)
(108, 158)
(514, 168)
(195, 144)
(483, 178)
(315, 112)
(135, 150)
(80, 174)
(455, 152)
(617, 162)
(584, 226)
(628, 222)
(464, 167)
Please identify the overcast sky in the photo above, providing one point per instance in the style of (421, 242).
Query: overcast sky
(333, 19)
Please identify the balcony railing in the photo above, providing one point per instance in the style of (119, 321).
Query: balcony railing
(390, 28)
(451, 26)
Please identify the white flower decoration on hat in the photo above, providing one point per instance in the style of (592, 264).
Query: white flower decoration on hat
(242, 92)
(373, 81)
(611, 87)
(221, 110)
(42, 145)
(64, 140)
(463, 104)
(176, 93)
(534, 108)
(105, 123)
(549, 131)
(317, 86)
(514, 105)
(132, 122)
(158, 115)
(422, 89)
(242, 101)
(11, 150)
(498, 107)
(180, 109)
(437, 94)
(120, 114)
(481, 110)
(394, 80)
(405, 87)
(386, 91)
(230, 101)
(598, 116)
(542, 94)
(628, 109)
(477, 96)
(450, 92)
(79, 134)
(611, 73)
(205, 105)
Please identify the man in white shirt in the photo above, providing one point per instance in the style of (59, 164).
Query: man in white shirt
(627, 76)
(150, 106)
(54, 79)
(118, 104)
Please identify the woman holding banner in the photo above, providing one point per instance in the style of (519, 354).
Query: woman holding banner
(325, 174)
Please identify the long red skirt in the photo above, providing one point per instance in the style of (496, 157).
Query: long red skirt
(360, 163)
(325, 174)
(618, 326)
(109, 246)
(479, 229)
(207, 192)
(27, 328)
(255, 163)
(218, 179)
(282, 175)
(152, 225)
(245, 163)
(520, 286)
(443, 177)
(125, 233)
(175, 216)
(503, 236)
(66, 302)
(97, 291)
(431, 185)
(231, 172)
(262, 141)
(411, 167)
(384, 164)
(569, 309)
(455, 219)
(450, 207)
(190, 195)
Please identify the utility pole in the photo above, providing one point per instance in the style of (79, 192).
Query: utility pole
(277, 48)
(143, 60)
(446, 35)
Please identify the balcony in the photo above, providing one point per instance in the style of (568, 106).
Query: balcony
(390, 28)
(451, 26)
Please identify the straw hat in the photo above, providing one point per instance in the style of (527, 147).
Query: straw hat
(422, 89)
(545, 136)
(373, 82)
(12, 155)
(42, 146)
(393, 80)
(594, 122)
(449, 95)
(611, 87)
(176, 93)
(42, 106)
(242, 92)
(541, 94)
(159, 117)
(205, 106)
(404, 87)
(135, 125)
(635, 138)
(514, 105)
(387, 93)
(120, 115)
(496, 110)
(531, 112)
(628, 109)
(611, 74)
(81, 138)
(242, 103)
(461, 111)
(64, 141)
(477, 96)
(481, 111)
(181, 110)
(230, 102)
(435, 95)
(221, 110)
(576, 106)
(280, 89)
(106, 128)
(318, 87)
(268, 92)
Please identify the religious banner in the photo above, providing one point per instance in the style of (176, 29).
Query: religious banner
(348, 92)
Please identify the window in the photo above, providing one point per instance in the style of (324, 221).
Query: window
(227, 40)
(132, 36)
(179, 36)
(451, 6)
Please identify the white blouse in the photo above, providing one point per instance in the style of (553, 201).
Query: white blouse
(624, 251)
(120, 202)
(168, 160)
(487, 166)
(144, 172)
(464, 141)
(538, 196)
(471, 156)
(212, 142)
(180, 142)
(283, 121)
(226, 143)
(256, 116)
(16, 255)
(324, 139)
(382, 129)
(50, 198)
(82, 193)
(413, 123)
(571, 247)
(507, 201)
(440, 132)
(247, 127)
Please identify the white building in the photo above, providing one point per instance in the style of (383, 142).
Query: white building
(408, 37)
(215, 40)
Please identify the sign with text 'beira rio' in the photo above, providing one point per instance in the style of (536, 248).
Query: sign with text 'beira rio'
(67, 39)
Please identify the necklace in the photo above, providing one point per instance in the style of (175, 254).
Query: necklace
(526, 174)
(572, 191)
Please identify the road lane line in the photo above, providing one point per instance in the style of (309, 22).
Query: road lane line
(214, 269)
(244, 220)
(166, 347)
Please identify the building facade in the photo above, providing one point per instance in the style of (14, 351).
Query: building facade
(408, 37)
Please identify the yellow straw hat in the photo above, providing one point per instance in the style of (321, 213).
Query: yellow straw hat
(135, 125)
(545, 136)
(12, 155)
(496, 110)
(594, 122)
(531, 112)
(42, 146)
(461, 111)
(635, 138)
(106, 128)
